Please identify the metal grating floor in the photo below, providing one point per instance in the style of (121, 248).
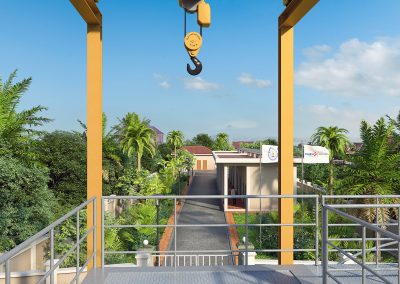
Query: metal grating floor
(201, 275)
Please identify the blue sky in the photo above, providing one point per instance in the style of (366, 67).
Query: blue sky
(347, 62)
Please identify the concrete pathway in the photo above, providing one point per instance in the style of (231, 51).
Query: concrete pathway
(202, 211)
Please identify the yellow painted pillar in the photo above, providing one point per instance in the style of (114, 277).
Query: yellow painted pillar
(94, 133)
(285, 137)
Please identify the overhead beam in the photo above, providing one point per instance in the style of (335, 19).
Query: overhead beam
(294, 12)
(88, 11)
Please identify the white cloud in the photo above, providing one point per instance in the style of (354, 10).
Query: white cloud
(165, 85)
(162, 81)
(313, 116)
(316, 52)
(199, 84)
(356, 69)
(242, 124)
(248, 79)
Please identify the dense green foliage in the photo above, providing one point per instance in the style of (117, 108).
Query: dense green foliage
(64, 154)
(203, 140)
(222, 143)
(26, 204)
(257, 144)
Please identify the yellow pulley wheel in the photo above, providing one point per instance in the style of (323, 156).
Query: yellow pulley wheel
(193, 42)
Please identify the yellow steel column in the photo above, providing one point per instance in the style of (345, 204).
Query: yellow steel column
(285, 137)
(94, 133)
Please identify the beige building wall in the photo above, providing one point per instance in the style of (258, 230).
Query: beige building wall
(269, 186)
(245, 179)
(209, 160)
(32, 258)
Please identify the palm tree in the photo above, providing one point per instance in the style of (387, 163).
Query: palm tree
(335, 140)
(16, 127)
(175, 139)
(135, 136)
(374, 170)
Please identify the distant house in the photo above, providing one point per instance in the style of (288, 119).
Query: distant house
(204, 157)
(237, 144)
(159, 139)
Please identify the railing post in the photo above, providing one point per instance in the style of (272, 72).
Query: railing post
(102, 232)
(77, 247)
(95, 231)
(247, 231)
(364, 230)
(52, 256)
(325, 253)
(8, 272)
(175, 231)
(377, 235)
(398, 246)
(316, 230)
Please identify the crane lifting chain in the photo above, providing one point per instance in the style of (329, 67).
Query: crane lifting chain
(193, 40)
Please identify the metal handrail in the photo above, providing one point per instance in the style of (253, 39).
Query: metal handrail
(365, 225)
(43, 232)
(6, 257)
(246, 224)
(272, 196)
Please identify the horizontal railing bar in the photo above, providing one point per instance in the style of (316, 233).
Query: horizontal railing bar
(209, 225)
(358, 225)
(358, 239)
(365, 224)
(351, 206)
(360, 269)
(210, 252)
(359, 250)
(359, 196)
(359, 263)
(313, 196)
(11, 253)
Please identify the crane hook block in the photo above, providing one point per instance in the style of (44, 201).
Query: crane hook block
(193, 42)
(204, 14)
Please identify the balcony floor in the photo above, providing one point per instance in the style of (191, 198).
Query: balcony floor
(257, 274)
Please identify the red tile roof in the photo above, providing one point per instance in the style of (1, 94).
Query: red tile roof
(198, 150)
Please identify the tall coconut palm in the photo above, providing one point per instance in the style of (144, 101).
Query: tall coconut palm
(175, 139)
(335, 140)
(135, 136)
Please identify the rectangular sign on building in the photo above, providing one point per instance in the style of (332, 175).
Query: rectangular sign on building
(315, 155)
(269, 154)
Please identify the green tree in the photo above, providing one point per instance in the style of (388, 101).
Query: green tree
(375, 168)
(16, 130)
(222, 143)
(175, 139)
(335, 140)
(26, 204)
(113, 158)
(64, 153)
(135, 136)
(203, 140)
